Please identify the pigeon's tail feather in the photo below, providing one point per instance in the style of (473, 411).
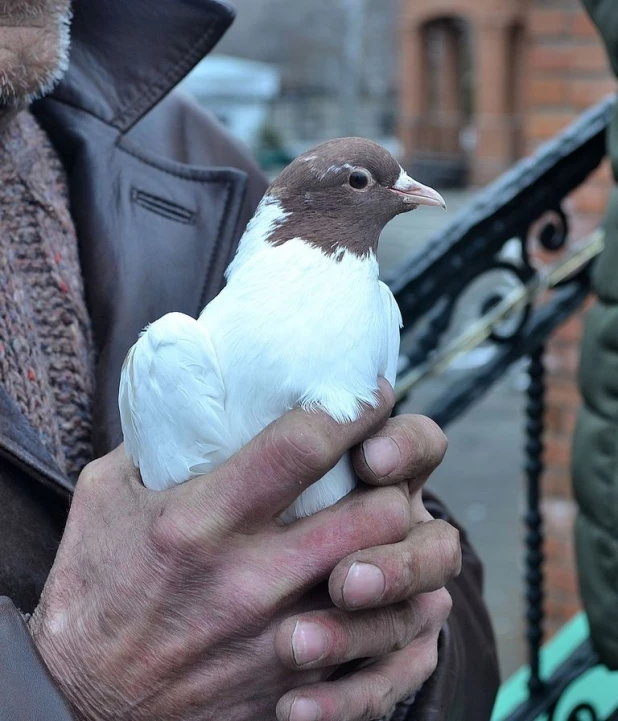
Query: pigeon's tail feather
(172, 403)
(332, 487)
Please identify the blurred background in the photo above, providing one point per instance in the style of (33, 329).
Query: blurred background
(458, 91)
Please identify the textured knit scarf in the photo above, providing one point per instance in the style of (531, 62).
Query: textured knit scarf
(46, 347)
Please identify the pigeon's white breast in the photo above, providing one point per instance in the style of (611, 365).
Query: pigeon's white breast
(296, 326)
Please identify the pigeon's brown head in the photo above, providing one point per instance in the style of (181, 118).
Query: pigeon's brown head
(342, 193)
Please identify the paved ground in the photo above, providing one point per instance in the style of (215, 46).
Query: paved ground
(480, 478)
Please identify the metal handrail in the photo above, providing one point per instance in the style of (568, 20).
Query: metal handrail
(519, 298)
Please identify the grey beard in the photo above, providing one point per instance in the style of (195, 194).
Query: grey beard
(30, 77)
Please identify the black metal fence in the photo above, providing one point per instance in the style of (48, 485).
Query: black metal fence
(517, 314)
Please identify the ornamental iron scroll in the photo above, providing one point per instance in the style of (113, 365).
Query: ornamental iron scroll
(583, 712)
(523, 207)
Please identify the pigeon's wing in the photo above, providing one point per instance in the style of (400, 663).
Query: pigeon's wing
(172, 403)
(390, 355)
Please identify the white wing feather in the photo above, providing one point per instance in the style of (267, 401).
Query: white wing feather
(340, 480)
(172, 403)
(393, 337)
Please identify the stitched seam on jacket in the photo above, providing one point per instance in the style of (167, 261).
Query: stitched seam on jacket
(207, 279)
(179, 68)
(163, 207)
(116, 121)
(188, 172)
(178, 172)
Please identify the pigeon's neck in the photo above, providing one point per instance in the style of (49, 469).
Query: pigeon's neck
(328, 226)
(274, 226)
(259, 260)
(268, 216)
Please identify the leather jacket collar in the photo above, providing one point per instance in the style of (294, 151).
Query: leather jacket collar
(148, 46)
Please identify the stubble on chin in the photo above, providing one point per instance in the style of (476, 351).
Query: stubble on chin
(34, 48)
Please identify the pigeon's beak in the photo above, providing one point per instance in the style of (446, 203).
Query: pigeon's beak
(414, 193)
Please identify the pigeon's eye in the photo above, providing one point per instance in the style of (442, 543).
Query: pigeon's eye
(359, 179)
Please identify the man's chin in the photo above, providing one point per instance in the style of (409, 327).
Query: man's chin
(33, 58)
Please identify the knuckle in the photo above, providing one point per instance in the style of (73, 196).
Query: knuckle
(170, 534)
(412, 572)
(341, 634)
(301, 450)
(439, 441)
(449, 547)
(428, 662)
(109, 475)
(387, 393)
(344, 637)
(254, 611)
(443, 606)
(380, 698)
(91, 475)
(431, 442)
(434, 609)
(89, 492)
(402, 625)
(396, 511)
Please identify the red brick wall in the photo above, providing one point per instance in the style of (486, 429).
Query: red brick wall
(567, 72)
(560, 71)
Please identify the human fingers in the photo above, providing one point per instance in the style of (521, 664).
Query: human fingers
(271, 471)
(407, 448)
(426, 560)
(372, 691)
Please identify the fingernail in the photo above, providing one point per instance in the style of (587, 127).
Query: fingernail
(364, 584)
(309, 642)
(305, 709)
(381, 455)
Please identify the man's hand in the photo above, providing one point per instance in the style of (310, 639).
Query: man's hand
(168, 605)
(404, 580)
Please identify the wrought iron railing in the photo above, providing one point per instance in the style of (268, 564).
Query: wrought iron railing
(511, 259)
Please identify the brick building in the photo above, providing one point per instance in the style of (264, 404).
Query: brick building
(483, 83)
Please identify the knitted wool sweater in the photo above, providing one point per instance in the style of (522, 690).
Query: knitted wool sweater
(46, 346)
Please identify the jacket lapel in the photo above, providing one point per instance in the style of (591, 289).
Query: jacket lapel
(147, 47)
(163, 249)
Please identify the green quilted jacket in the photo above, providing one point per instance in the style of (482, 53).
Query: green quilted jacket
(595, 451)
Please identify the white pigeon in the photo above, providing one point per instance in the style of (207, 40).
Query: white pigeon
(303, 321)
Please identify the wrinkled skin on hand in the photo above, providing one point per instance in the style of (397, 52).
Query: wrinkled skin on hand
(194, 603)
